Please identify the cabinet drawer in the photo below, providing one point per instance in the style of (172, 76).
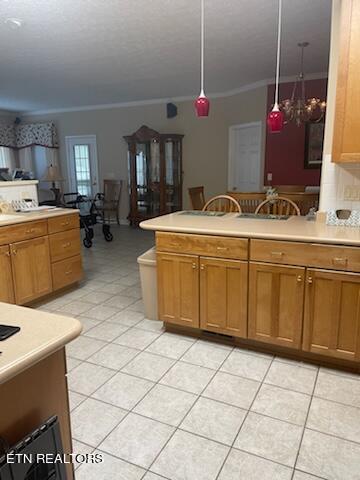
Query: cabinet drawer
(64, 222)
(22, 231)
(64, 244)
(66, 272)
(208, 245)
(334, 257)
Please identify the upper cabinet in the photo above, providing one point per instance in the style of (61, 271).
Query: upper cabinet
(155, 173)
(346, 142)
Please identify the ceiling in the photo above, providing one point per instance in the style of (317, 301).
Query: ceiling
(74, 53)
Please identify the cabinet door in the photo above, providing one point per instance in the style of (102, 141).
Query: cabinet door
(223, 296)
(332, 314)
(178, 288)
(6, 281)
(276, 296)
(31, 269)
(346, 142)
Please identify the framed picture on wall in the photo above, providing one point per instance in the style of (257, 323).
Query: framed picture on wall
(314, 142)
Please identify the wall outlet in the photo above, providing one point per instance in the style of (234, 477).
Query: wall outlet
(352, 193)
(269, 177)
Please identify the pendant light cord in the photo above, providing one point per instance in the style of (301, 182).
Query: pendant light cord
(277, 56)
(202, 47)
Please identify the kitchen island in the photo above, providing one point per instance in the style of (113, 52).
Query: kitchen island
(292, 286)
(33, 385)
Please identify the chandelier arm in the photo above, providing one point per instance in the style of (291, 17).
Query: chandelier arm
(202, 48)
(278, 55)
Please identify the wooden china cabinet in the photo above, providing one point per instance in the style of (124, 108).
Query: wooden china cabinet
(155, 173)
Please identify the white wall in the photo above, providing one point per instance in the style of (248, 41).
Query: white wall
(334, 177)
(205, 144)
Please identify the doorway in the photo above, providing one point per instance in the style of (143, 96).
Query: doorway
(82, 164)
(245, 162)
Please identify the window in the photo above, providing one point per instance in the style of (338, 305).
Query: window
(82, 169)
(7, 159)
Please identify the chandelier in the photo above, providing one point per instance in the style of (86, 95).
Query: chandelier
(298, 109)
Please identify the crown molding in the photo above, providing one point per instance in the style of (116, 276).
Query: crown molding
(159, 101)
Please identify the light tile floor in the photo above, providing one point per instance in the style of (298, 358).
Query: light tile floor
(165, 406)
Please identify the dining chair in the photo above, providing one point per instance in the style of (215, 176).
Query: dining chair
(222, 203)
(197, 197)
(248, 201)
(110, 199)
(278, 206)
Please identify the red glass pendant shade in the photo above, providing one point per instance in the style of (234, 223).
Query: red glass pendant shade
(202, 105)
(275, 120)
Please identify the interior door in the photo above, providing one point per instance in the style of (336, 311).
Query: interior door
(83, 176)
(223, 296)
(178, 289)
(245, 169)
(276, 296)
(332, 313)
(6, 282)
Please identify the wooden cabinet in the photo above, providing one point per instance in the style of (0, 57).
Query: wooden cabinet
(31, 269)
(332, 314)
(276, 295)
(178, 288)
(223, 296)
(346, 141)
(6, 282)
(155, 173)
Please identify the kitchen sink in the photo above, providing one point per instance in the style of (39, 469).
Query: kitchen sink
(264, 216)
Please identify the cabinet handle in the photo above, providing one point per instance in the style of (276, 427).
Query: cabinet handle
(174, 244)
(7, 254)
(202, 267)
(66, 245)
(65, 224)
(310, 280)
(69, 272)
(340, 261)
(31, 230)
(194, 266)
(14, 252)
(222, 248)
(277, 254)
(299, 278)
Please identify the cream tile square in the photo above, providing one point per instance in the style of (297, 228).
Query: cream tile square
(190, 378)
(269, 438)
(111, 289)
(75, 399)
(82, 449)
(338, 388)
(335, 419)
(92, 421)
(248, 366)
(110, 469)
(236, 391)
(120, 301)
(86, 378)
(149, 366)
(75, 308)
(71, 363)
(242, 465)
(123, 390)
(83, 347)
(169, 345)
(137, 440)
(127, 317)
(136, 338)
(151, 325)
(205, 355)
(152, 476)
(292, 377)
(113, 356)
(166, 405)
(138, 306)
(96, 297)
(303, 476)
(282, 404)
(214, 420)
(88, 323)
(101, 312)
(189, 457)
(328, 457)
(106, 331)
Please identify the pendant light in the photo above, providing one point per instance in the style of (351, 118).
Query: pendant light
(275, 119)
(202, 103)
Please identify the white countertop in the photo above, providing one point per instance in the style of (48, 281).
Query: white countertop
(22, 217)
(18, 183)
(41, 334)
(295, 228)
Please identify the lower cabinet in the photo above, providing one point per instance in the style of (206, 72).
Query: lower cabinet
(178, 288)
(31, 269)
(276, 297)
(223, 296)
(6, 282)
(332, 314)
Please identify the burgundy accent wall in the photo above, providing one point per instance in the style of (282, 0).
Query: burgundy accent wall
(285, 151)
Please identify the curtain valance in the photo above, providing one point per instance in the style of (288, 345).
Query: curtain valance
(28, 134)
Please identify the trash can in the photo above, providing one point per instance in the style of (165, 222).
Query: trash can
(147, 267)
